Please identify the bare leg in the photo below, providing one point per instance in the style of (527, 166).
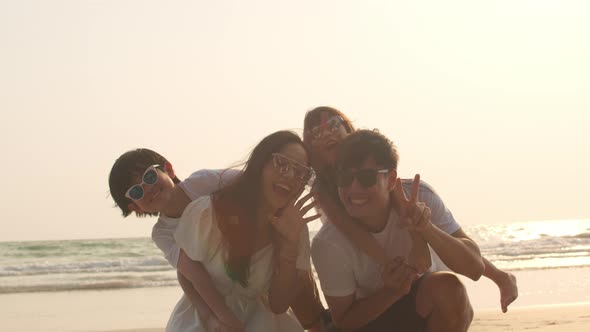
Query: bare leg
(442, 300)
(506, 283)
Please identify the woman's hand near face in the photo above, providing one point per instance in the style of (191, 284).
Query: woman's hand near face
(292, 218)
(289, 224)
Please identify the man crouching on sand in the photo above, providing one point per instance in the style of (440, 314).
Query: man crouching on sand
(363, 296)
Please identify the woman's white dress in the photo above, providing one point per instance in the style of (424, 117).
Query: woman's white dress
(198, 235)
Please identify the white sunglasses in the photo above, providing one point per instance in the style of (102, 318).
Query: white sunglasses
(150, 176)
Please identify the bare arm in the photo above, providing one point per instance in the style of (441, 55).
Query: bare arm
(202, 307)
(307, 306)
(207, 317)
(200, 280)
(291, 229)
(457, 251)
(419, 257)
(287, 281)
(350, 313)
(506, 282)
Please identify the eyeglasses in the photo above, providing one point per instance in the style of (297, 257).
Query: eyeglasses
(366, 177)
(330, 126)
(150, 176)
(284, 164)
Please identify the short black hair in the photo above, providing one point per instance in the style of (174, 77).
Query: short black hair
(363, 144)
(129, 164)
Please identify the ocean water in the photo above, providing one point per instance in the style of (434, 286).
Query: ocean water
(42, 266)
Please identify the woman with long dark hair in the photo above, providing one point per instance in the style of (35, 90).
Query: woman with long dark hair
(251, 235)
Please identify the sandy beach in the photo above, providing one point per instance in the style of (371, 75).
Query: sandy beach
(125, 284)
(565, 306)
(571, 318)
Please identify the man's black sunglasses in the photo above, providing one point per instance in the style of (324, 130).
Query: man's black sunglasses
(366, 177)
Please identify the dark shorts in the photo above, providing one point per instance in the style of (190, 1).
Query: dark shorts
(401, 316)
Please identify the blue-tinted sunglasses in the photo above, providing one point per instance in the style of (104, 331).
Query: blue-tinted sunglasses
(150, 176)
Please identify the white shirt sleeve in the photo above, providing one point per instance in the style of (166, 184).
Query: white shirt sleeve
(200, 183)
(334, 269)
(197, 232)
(206, 181)
(164, 240)
(440, 215)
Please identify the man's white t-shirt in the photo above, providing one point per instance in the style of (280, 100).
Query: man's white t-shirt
(343, 269)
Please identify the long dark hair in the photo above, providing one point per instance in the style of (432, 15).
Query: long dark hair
(235, 206)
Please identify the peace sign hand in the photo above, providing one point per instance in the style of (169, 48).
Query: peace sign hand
(292, 218)
(415, 216)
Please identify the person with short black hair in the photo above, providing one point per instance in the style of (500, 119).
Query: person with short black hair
(144, 182)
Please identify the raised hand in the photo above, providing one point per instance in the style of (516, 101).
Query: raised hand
(292, 218)
(415, 216)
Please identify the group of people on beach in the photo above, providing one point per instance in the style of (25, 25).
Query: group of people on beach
(240, 243)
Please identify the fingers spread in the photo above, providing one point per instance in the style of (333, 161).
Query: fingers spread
(314, 217)
(300, 191)
(308, 207)
(302, 201)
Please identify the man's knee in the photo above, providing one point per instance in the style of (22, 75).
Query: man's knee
(445, 294)
(452, 299)
(451, 289)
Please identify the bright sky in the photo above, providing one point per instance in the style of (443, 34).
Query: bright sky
(488, 100)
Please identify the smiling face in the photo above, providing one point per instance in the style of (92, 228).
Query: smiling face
(366, 167)
(283, 176)
(157, 195)
(365, 199)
